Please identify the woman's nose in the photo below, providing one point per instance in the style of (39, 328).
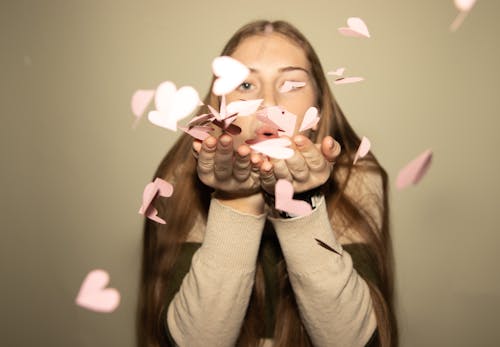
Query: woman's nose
(269, 97)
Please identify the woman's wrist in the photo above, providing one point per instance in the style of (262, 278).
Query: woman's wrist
(251, 204)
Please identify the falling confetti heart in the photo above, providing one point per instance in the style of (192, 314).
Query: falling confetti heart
(172, 105)
(356, 28)
(94, 296)
(413, 172)
(230, 74)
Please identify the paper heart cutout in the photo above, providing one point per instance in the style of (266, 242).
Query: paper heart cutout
(160, 187)
(356, 28)
(413, 172)
(310, 119)
(94, 296)
(283, 119)
(230, 74)
(274, 148)
(244, 107)
(283, 193)
(346, 80)
(338, 72)
(198, 132)
(291, 85)
(464, 5)
(363, 149)
(172, 105)
(141, 100)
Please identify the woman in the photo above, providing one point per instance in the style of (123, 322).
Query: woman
(228, 269)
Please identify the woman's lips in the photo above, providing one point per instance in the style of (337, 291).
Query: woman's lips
(263, 133)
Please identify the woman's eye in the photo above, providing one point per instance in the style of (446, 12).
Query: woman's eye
(245, 86)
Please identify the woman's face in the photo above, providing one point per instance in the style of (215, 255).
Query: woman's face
(272, 60)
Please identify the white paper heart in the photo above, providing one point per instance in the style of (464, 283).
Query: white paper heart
(94, 296)
(464, 5)
(356, 28)
(230, 74)
(338, 72)
(363, 149)
(310, 119)
(274, 148)
(173, 105)
(244, 107)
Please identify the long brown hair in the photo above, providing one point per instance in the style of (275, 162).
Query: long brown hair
(162, 243)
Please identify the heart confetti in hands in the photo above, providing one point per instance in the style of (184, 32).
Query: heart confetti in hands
(363, 149)
(274, 148)
(283, 193)
(413, 172)
(94, 296)
(310, 119)
(172, 105)
(230, 74)
(160, 187)
(356, 28)
(140, 100)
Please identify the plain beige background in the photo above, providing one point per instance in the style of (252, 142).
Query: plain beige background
(73, 170)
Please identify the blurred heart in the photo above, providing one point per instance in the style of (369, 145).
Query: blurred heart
(94, 296)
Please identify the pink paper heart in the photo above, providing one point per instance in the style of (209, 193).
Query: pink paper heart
(284, 201)
(243, 107)
(141, 100)
(230, 72)
(172, 105)
(291, 85)
(413, 172)
(338, 72)
(464, 5)
(274, 148)
(310, 119)
(356, 28)
(346, 80)
(363, 149)
(160, 187)
(94, 296)
(284, 119)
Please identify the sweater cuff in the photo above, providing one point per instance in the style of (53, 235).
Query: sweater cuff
(298, 239)
(232, 238)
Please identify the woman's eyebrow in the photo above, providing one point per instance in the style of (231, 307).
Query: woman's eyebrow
(283, 69)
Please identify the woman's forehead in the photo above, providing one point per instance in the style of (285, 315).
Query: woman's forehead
(270, 51)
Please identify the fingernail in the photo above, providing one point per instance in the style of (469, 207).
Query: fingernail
(299, 140)
(225, 140)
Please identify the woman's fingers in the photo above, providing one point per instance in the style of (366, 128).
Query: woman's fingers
(312, 157)
(242, 165)
(206, 162)
(330, 148)
(223, 168)
(267, 176)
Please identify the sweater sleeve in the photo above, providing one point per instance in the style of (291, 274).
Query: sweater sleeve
(209, 308)
(333, 300)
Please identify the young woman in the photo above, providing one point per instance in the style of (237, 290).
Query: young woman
(227, 269)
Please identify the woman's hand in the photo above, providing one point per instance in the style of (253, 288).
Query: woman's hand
(229, 172)
(309, 167)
